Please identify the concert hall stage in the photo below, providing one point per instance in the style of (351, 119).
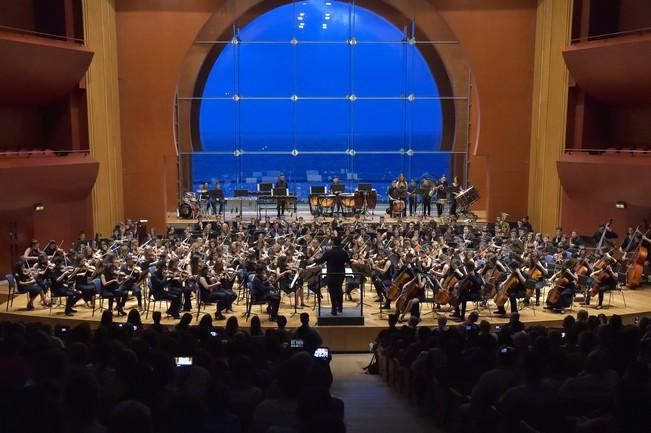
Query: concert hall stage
(303, 211)
(342, 338)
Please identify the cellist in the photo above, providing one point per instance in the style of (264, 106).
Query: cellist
(468, 288)
(606, 281)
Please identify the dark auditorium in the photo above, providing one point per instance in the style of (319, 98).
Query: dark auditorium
(325, 216)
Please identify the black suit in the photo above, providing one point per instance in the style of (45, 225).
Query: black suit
(335, 259)
(280, 206)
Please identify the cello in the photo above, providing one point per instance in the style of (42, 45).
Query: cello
(636, 266)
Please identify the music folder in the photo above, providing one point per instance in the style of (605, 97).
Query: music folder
(279, 192)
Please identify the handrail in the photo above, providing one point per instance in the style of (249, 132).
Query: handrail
(612, 151)
(610, 35)
(43, 34)
(42, 152)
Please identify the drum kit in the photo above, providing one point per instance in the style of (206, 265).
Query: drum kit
(193, 204)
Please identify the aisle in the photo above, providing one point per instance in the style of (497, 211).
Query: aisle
(371, 406)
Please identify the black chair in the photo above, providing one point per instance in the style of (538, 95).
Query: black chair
(250, 299)
(13, 291)
(151, 297)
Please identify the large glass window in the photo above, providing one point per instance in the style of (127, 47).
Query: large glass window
(314, 89)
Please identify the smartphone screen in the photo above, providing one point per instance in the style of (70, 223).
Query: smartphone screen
(183, 361)
(322, 353)
(296, 344)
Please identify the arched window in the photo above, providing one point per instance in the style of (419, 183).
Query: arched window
(315, 89)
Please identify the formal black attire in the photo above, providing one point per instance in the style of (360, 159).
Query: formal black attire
(335, 260)
(280, 206)
(263, 291)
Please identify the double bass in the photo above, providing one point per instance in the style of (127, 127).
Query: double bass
(636, 266)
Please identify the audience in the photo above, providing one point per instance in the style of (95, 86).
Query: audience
(133, 378)
(591, 375)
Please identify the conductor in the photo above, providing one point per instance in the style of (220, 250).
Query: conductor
(335, 260)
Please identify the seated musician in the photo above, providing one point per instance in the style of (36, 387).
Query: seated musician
(536, 272)
(382, 276)
(159, 288)
(209, 288)
(216, 197)
(32, 252)
(227, 278)
(281, 183)
(26, 283)
(517, 290)
(606, 281)
(263, 291)
(84, 281)
(42, 269)
(567, 287)
(176, 283)
(61, 287)
(111, 288)
(133, 279)
(468, 288)
(285, 276)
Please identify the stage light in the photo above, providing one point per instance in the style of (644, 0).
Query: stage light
(39, 207)
(620, 205)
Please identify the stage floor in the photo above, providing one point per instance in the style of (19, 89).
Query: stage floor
(303, 210)
(345, 338)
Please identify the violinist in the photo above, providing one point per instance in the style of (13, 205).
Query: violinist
(61, 287)
(159, 289)
(606, 280)
(209, 291)
(32, 252)
(111, 288)
(227, 279)
(284, 278)
(26, 283)
(42, 269)
(84, 281)
(132, 277)
(175, 284)
(263, 291)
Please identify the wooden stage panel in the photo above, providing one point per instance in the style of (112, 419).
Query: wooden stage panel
(343, 338)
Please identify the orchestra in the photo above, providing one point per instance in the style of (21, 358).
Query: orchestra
(407, 264)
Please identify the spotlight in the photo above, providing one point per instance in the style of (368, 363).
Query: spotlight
(39, 207)
(620, 205)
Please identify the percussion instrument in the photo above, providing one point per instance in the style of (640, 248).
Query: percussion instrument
(190, 197)
(360, 199)
(185, 211)
(371, 199)
(327, 201)
(314, 201)
(398, 205)
(347, 200)
(467, 197)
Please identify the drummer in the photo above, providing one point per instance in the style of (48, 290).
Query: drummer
(337, 188)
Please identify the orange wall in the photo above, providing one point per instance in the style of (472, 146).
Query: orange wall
(154, 37)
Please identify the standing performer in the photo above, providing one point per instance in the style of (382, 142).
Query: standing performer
(335, 259)
(413, 200)
(216, 197)
(281, 183)
(441, 195)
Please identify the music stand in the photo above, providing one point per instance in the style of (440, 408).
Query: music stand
(337, 188)
(279, 192)
(320, 189)
(241, 193)
(265, 188)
